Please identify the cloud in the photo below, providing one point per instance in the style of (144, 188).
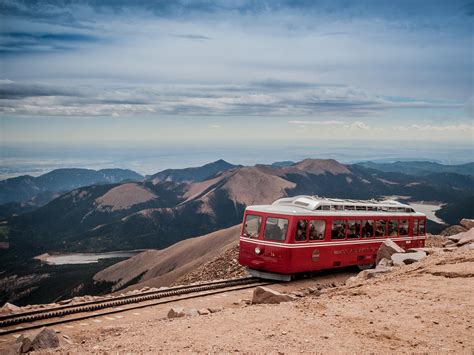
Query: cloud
(31, 42)
(37, 99)
(358, 125)
(446, 128)
(195, 37)
(322, 123)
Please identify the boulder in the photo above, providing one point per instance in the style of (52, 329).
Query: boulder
(427, 250)
(368, 274)
(203, 311)
(400, 259)
(386, 250)
(466, 237)
(176, 312)
(452, 230)
(467, 223)
(450, 243)
(383, 263)
(44, 339)
(267, 295)
(9, 308)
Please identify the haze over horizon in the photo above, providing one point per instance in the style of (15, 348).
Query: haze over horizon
(223, 71)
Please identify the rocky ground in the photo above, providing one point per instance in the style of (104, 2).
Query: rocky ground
(424, 307)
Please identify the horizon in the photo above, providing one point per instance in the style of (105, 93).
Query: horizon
(149, 158)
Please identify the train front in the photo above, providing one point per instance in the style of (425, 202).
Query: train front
(262, 244)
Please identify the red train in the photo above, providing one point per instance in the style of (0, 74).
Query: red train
(308, 233)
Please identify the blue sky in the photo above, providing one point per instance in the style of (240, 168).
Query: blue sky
(73, 71)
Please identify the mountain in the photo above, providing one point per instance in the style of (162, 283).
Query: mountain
(157, 214)
(195, 174)
(25, 189)
(420, 167)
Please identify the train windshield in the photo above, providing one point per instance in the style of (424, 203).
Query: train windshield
(252, 226)
(275, 228)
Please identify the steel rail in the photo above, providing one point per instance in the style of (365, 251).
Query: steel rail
(90, 306)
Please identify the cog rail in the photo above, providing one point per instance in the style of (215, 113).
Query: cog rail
(91, 306)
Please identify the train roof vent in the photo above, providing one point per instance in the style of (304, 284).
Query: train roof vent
(301, 203)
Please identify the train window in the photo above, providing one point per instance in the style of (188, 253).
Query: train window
(349, 208)
(367, 229)
(422, 227)
(393, 228)
(301, 226)
(275, 228)
(380, 228)
(353, 229)
(326, 207)
(252, 226)
(316, 230)
(404, 227)
(415, 227)
(338, 229)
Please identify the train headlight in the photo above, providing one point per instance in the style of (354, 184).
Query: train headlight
(258, 251)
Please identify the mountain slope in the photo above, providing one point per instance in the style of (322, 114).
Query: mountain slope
(157, 268)
(25, 188)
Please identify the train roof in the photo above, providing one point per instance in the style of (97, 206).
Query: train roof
(309, 205)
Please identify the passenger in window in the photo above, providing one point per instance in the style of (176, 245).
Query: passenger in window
(316, 230)
(368, 229)
(301, 231)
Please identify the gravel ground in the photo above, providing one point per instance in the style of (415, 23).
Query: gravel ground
(425, 307)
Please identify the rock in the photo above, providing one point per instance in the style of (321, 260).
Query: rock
(469, 246)
(384, 262)
(44, 339)
(466, 237)
(400, 259)
(176, 312)
(9, 308)
(368, 274)
(64, 301)
(191, 312)
(386, 250)
(452, 230)
(216, 309)
(467, 223)
(267, 295)
(427, 250)
(449, 243)
(203, 311)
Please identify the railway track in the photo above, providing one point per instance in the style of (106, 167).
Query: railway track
(24, 321)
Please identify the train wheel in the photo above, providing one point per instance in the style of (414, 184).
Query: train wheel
(365, 266)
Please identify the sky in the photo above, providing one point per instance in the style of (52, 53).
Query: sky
(81, 72)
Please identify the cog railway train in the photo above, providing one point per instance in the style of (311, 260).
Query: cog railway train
(309, 233)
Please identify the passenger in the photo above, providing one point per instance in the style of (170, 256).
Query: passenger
(300, 231)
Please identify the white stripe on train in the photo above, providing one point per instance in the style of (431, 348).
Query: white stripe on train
(326, 244)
